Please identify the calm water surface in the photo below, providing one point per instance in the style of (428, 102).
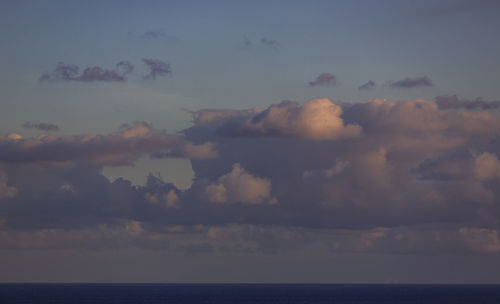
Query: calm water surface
(246, 293)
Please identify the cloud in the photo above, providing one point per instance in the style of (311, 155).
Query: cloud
(62, 72)
(263, 42)
(324, 79)
(159, 34)
(326, 173)
(378, 176)
(154, 34)
(70, 72)
(238, 186)
(419, 116)
(157, 68)
(376, 170)
(318, 119)
(118, 148)
(487, 166)
(14, 136)
(452, 102)
(481, 239)
(215, 117)
(201, 151)
(367, 86)
(270, 43)
(161, 194)
(409, 83)
(42, 126)
(124, 67)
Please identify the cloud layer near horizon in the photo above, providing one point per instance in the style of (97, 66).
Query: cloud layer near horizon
(377, 176)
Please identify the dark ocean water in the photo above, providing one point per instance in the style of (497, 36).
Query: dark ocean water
(246, 293)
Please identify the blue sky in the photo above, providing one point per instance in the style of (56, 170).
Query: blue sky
(236, 55)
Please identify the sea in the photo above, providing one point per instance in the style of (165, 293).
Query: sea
(247, 293)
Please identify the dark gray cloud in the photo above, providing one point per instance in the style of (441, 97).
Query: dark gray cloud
(159, 34)
(408, 83)
(324, 79)
(157, 68)
(452, 102)
(42, 126)
(367, 86)
(70, 72)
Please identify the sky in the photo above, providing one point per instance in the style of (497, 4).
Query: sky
(250, 141)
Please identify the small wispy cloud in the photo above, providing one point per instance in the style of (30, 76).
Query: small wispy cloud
(157, 68)
(159, 34)
(324, 79)
(367, 86)
(408, 83)
(270, 43)
(42, 126)
(263, 43)
(70, 72)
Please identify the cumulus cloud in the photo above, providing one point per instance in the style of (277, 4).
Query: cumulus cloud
(452, 102)
(409, 83)
(157, 68)
(377, 171)
(421, 117)
(42, 126)
(374, 176)
(324, 79)
(70, 72)
(318, 119)
(239, 186)
(162, 196)
(367, 85)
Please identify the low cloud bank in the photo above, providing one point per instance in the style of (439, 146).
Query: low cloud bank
(377, 176)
